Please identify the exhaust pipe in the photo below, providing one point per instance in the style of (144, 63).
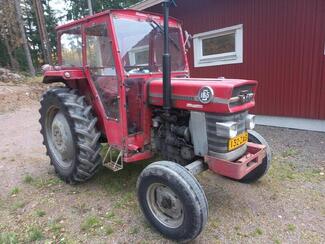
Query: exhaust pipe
(167, 91)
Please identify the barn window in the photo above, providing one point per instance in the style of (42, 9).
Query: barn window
(219, 47)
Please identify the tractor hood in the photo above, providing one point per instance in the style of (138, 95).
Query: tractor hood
(208, 95)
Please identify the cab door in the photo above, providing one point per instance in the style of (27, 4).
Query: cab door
(100, 68)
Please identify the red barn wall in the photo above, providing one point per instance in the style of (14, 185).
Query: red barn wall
(283, 49)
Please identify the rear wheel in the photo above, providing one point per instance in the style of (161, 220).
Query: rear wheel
(172, 200)
(70, 136)
(262, 169)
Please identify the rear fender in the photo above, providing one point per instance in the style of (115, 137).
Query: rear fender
(64, 76)
(76, 79)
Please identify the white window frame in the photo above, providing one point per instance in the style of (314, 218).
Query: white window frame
(236, 57)
(136, 50)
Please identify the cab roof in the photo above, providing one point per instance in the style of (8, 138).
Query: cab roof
(125, 12)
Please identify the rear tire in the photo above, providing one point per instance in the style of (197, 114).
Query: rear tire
(262, 169)
(70, 135)
(172, 200)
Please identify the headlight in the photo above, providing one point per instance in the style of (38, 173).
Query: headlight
(227, 129)
(250, 122)
(233, 131)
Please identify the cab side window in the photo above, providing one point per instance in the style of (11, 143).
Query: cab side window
(99, 50)
(71, 47)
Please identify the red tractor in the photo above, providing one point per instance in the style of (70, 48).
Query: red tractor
(127, 83)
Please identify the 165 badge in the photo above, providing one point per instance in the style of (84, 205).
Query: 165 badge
(206, 94)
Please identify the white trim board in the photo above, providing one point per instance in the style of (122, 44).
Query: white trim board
(145, 4)
(293, 123)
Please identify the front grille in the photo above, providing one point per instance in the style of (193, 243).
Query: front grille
(217, 144)
(238, 91)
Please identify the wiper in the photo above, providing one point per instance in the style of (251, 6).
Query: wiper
(155, 25)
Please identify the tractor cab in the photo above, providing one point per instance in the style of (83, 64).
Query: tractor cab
(120, 51)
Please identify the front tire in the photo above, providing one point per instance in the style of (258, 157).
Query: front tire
(172, 200)
(70, 136)
(262, 169)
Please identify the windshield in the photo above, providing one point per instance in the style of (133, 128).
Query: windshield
(141, 46)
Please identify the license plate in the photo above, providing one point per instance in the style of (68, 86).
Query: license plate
(237, 141)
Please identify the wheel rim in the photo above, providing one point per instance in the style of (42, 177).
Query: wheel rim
(59, 138)
(165, 205)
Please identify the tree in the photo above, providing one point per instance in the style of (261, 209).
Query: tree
(39, 10)
(9, 34)
(13, 61)
(24, 38)
(33, 32)
(51, 22)
(78, 9)
(20, 39)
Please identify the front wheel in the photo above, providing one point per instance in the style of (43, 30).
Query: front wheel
(262, 169)
(172, 200)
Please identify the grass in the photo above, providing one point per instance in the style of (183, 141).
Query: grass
(242, 234)
(237, 228)
(121, 181)
(134, 231)
(128, 200)
(56, 227)
(291, 227)
(8, 238)
(257, 232)
(35, 234)
(284, 170)
(290, 152)
(309, 236)
(118, 221)
(28, 179)
(110, 215)
(40, 213)
(35, 79)
(81, 208)
(15, 191)
(2, 203)
(108, 230)
(18, 205)
(48, 182)
(215, 223)
(91, 223)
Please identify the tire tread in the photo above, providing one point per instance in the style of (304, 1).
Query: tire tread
(83, 128)
(167, 169)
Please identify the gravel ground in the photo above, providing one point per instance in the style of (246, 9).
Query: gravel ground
(306, 148)
(286, 206)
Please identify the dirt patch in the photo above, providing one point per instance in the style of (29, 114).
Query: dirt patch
(17, 95)
(286, 206)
